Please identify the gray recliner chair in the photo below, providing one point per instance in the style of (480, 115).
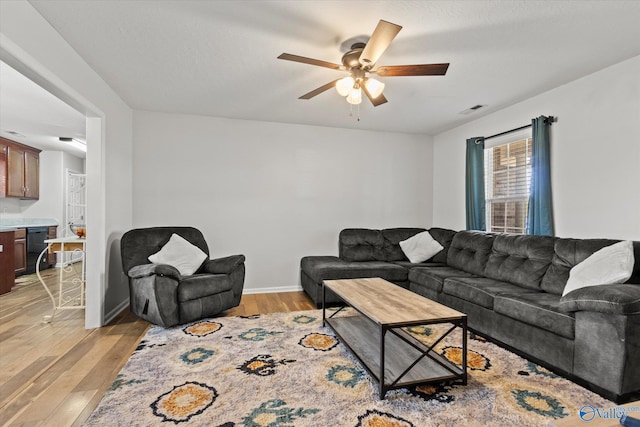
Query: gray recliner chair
(160, 295)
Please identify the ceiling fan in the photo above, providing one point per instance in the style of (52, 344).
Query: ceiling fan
(360, 61)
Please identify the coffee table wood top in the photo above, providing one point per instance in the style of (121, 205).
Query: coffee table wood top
(389, 304)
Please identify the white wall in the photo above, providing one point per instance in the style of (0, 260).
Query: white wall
(51, 201)
(595, 154)
(32, 46)
(275, 192)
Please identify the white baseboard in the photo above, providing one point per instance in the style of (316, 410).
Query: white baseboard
(108, 317)
(293, 288)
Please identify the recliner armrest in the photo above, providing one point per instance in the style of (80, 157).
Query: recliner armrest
(614, 299)
(223, 265)
(145, 270)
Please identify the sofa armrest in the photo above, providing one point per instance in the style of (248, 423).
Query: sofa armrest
(223, 265)
(613, 299)
(145, 270)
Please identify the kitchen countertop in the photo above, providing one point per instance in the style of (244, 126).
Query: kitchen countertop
(15, 223)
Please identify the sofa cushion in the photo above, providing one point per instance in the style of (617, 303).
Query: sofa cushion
(433, 277)
(470, 251)
(607, 266)
(410, 265)
(569, 252)
(443, 236)
(420, 247)
(519, 259)
(136, 245)
(539, 309)
(391, 250)
(613, 299)
(321, 268)
(360, 244)
(480, 290)
(203, 285)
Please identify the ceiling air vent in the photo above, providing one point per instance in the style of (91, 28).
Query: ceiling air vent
(472, 109)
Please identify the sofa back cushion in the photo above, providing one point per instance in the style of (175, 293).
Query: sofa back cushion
(362, 244)
(391, 250)
(470, 251)
(569, 252)
(444, 236)
(519, 259)
(136, 245)
(359, 244)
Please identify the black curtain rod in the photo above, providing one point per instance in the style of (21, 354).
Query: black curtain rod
(549, 120)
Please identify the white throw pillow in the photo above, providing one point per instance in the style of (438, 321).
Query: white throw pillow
(420, 247)
(610, 265)
(181, 254)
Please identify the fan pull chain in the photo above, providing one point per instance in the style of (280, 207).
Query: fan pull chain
(358, 112)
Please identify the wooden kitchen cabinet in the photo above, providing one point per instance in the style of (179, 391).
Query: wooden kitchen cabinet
(7, 257)
(32, 174)
(20, 170)
(52, 233)
(15, 172)
(20, 247)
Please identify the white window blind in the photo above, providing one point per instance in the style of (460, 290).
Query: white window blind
(507, 183)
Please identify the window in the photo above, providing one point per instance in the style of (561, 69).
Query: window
(507, 183)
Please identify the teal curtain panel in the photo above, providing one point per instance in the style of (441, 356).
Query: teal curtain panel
(475, 201)
(540, 213)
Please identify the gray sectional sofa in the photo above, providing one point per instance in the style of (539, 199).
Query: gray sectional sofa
(510, 287)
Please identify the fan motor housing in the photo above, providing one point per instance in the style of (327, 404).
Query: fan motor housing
(351, 59)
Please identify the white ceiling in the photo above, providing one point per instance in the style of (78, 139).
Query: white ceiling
(38, 117)
(218, 58)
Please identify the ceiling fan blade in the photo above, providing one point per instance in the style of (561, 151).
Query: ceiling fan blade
(379, 42)
(311, 61)
(319, 90)
(412, 70)
(375, 101)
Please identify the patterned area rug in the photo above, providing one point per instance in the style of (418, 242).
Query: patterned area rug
(285, 369)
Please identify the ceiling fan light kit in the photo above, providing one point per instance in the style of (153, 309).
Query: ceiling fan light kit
(374, 87)
(355, 96)
(344, 86)
(351, 88)
(360, 60)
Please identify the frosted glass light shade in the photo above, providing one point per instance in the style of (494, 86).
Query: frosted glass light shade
(374, 87)
(355, 96)
(344, 86)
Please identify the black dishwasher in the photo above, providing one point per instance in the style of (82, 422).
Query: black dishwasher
(35, 245)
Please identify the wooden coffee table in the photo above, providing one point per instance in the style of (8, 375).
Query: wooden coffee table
(375, 334)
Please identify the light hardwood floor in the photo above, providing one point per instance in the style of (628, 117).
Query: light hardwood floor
(55, 374)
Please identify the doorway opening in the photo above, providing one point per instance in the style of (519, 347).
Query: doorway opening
(94, 184)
